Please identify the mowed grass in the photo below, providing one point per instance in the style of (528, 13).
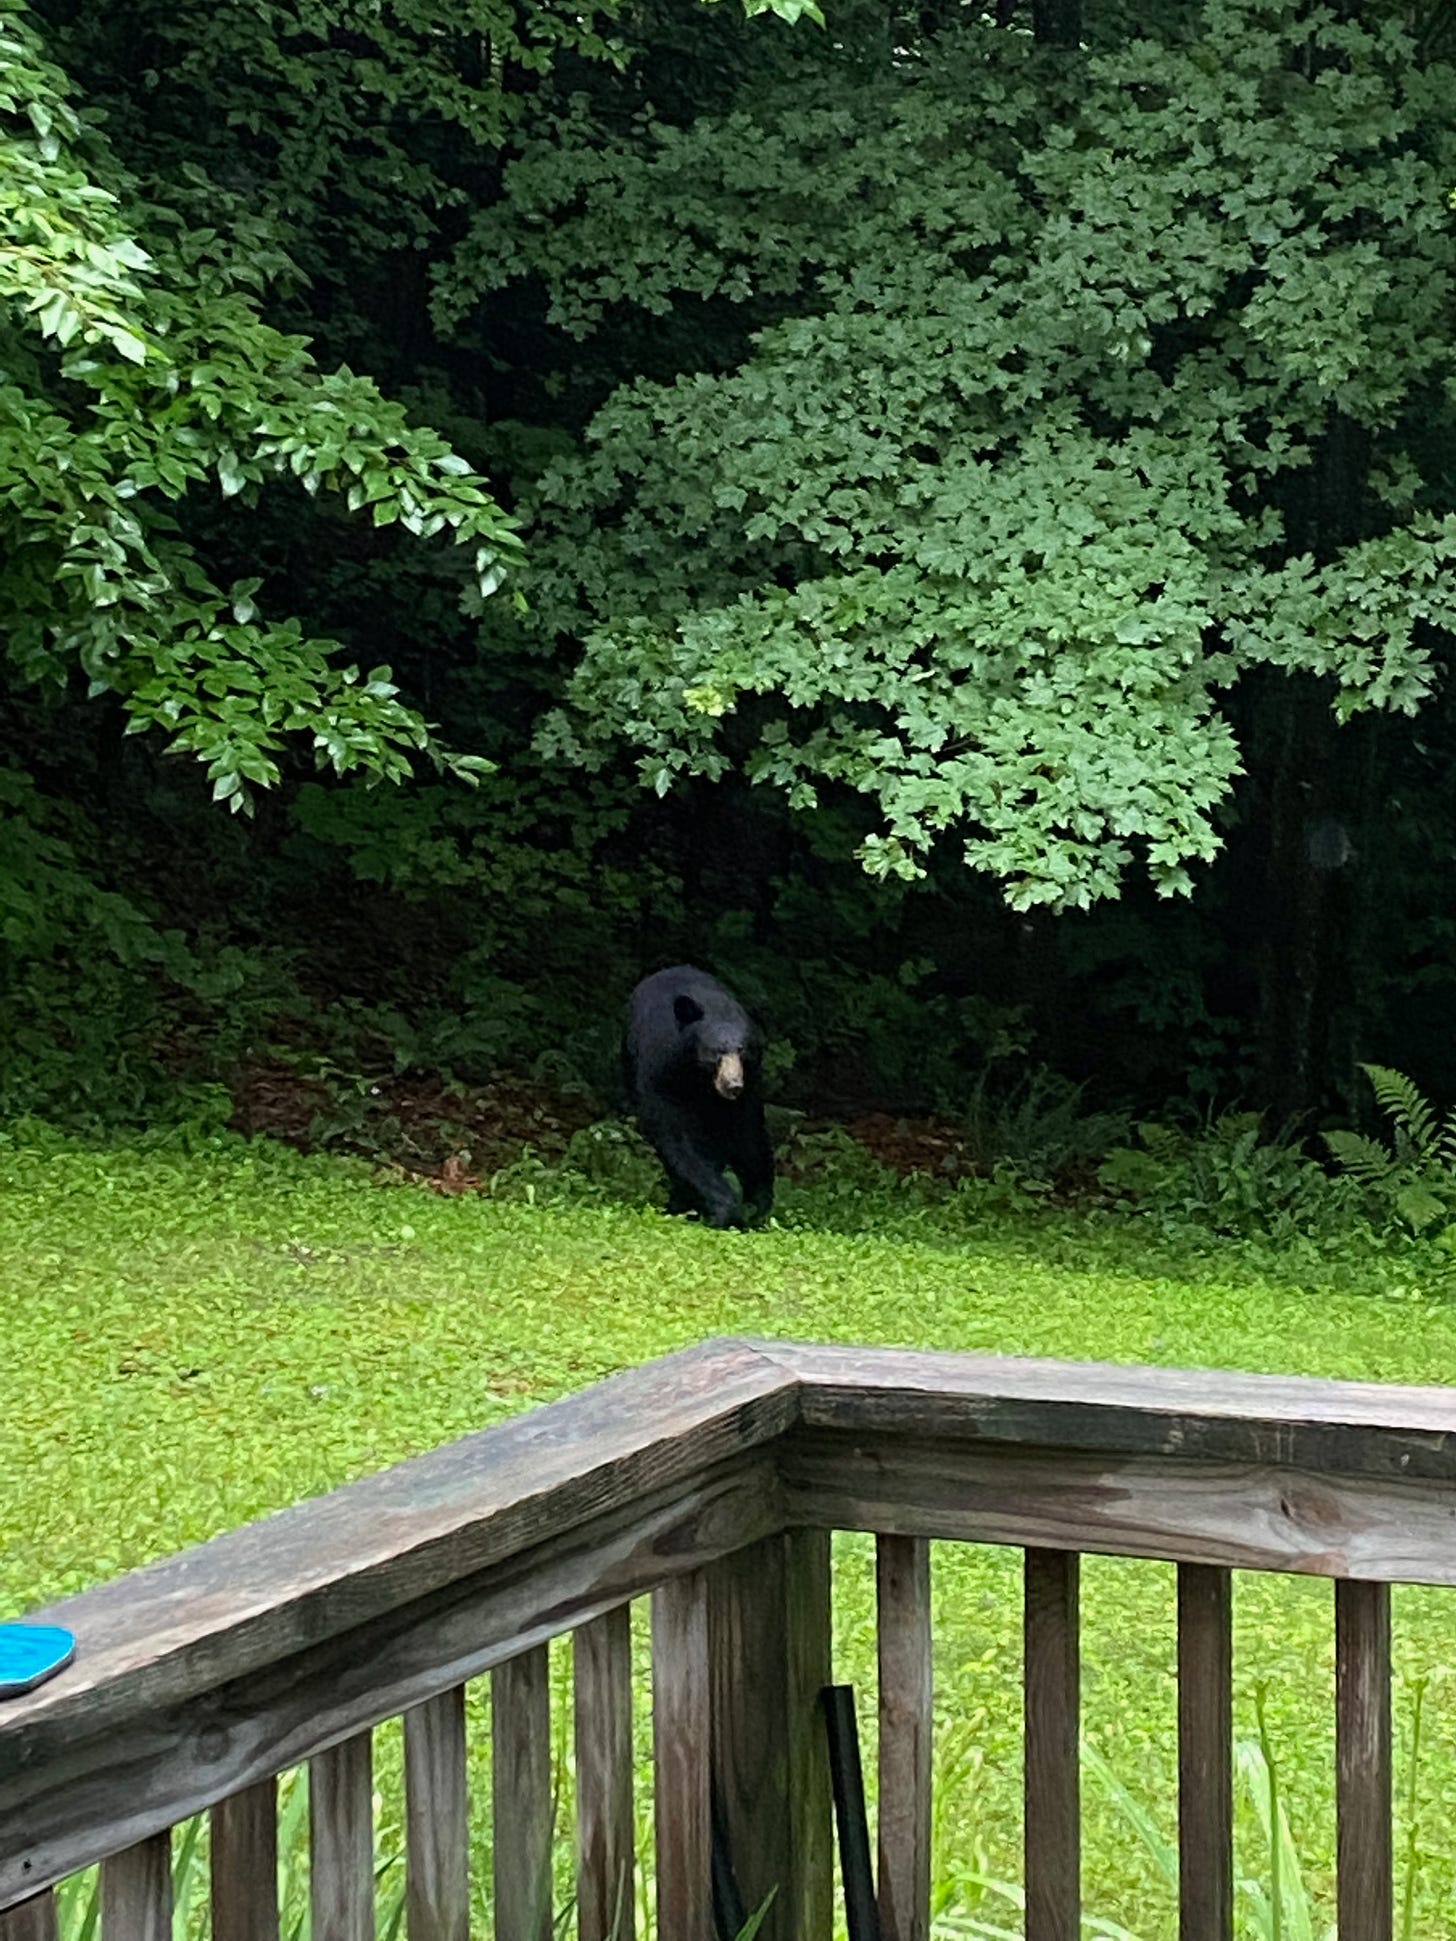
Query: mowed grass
(200, 1338)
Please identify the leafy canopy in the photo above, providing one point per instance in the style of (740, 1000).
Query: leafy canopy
(142, 387)
(1069, 389)
(137, 376)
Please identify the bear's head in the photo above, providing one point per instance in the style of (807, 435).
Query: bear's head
(720, 1046)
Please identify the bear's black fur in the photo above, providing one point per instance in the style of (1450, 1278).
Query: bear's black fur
(692, 1065)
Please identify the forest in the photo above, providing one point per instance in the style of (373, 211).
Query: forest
(941, 514)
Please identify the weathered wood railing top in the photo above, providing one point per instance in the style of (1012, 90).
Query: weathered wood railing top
(203, 1674)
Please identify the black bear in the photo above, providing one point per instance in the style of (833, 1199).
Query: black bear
(692, 1061)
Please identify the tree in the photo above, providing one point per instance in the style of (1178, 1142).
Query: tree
(143, 248)
(1080, 389)
(140, 375)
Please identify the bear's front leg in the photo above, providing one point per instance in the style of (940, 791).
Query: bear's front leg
(694, 1179)
(680, 1196)
(756, 1162)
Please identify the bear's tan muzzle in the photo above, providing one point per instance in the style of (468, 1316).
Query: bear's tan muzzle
(728, 1078)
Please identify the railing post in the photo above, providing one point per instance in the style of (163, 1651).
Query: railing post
(769, 1636)
(1205, 1753)
(437, 1820)
(681, 1733)
(136, 1892)
(902, 1580)
(602, 1682)
(32, 1920)
(521, 1804)
(1053, 1799)
(341, 1840)
(809, 1907)
(1362, 1759)
(245, 1865)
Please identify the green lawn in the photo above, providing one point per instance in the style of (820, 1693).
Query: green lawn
(198, 1339)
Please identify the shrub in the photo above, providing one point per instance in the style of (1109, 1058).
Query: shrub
(1228, 1178)
(1415, 1178)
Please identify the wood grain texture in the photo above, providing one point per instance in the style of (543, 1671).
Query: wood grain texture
(1053, 1801)
(32, 1920)
(681, 1754)
(341, 1841)
(810, 1891)
(902, 1579)
(437, 1820)
(244, 1600)
(202, 1675)
(747, 1643)
(769, 1637)
(1205, 1754)
(81, 1800)
(1185, 1511)
(1211, 1415)
(245, 1865)
(1362, 1760)
(521, 1803)
(136, 1892)
(195, 1621)
(605, 1840)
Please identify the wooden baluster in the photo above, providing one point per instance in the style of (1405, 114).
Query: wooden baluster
(245, 1865)
(1053, 1806)
(902, 1576)
(681, 1732)
(769, 1630)
(808, 1589)
(602, 1682)
(136, 1892)
(1205, 1753)
(341, 1840)
(1362, 1759)
(437, 1824)
(520, 1707)
(32, 1920)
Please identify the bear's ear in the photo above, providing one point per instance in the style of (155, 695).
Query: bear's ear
(687, 1011)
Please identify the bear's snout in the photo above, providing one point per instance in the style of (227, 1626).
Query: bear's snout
(728, 1078)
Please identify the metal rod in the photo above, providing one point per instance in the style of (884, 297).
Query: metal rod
(861, 1914)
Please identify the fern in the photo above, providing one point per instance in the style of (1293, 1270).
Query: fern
(1161, 1141)
(1413, 1114)
(1417, 1179)
(1419, 1207)
(1365, 1158)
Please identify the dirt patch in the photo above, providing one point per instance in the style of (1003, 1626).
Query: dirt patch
(933, 1146)
(456, 1139)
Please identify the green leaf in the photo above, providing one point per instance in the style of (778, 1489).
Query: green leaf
(127, 342)
(1420, 1207)
(230, 474)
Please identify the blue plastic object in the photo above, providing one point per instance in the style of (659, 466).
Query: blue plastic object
(31, 1653)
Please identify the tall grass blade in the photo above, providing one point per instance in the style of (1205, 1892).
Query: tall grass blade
(295, 1914)
(757, 1918)
(1412, 1814)
(1289, 1915)
(188, 1875)
(1161, 1850)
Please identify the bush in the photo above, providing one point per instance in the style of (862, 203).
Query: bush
(1413, 1180)
(1227, 1178)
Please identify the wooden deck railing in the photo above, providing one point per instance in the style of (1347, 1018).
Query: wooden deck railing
(710, 1482)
